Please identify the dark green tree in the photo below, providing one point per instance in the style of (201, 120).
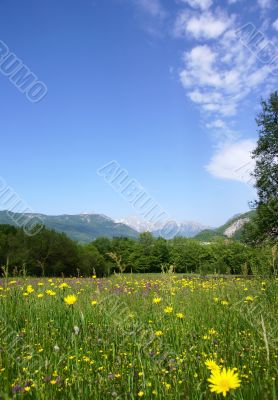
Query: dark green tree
(264, 225)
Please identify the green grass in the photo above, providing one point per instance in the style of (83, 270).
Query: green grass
(109, 350)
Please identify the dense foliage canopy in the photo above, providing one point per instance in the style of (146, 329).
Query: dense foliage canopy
(53, 254)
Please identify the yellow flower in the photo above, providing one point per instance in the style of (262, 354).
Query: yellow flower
(70, 299)
(223, 381)
(141, 393)
(224, 302)
(40, 295)
(50, 292)
(249, 298)
(212, 365)
(94, 302)
(64, 285)
(157, 300)
(180, 315)
(29, 289)
(158, 333)
(94, 277)
(168, 310)
(27, 389)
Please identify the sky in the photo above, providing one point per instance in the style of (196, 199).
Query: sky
(169, 90)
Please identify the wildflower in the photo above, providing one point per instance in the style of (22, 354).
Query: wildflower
(180, 315)
(158, 333)
(50, 292)
(27, 389)
(70, 299)
(56, 348)
(40, 295)
(212, 365)
(249, 298)
(224, 302)
(223, 381)
(94, 277)
(94, 302)
(141, 393)
(29, 289)
(168, 310)
(76, 330)
(64, 285)
(157, 300)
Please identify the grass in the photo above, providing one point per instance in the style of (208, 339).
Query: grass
(117, 342)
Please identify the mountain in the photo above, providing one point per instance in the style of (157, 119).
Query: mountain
(231, 229)
(184, 229)
(82, 227)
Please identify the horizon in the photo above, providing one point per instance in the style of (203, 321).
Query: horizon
(134, 100)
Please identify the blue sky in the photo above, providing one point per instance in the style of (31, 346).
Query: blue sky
(166, 88)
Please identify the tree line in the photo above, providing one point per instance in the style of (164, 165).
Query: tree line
(50, 253)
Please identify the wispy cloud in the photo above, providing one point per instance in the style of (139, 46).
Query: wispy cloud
(202, 4)
(230, 161)
(275, 24)
(218, 75)
(204, 25)
(152, 7)
(264, 3)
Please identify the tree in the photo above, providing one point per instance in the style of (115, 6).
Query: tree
(264, 226)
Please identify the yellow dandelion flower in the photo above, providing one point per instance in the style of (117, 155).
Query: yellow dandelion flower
(223, 381)
(50, 292)
(158, 333)
(141, 393)
(249, 298)
(30, 289)
(212, 365)
(157, 300)
(168, 310)
(94, 302)
(70, 299)
(64, 285)
(180, 315)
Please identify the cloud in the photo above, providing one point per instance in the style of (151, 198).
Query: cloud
(275, 24)
(202, 4)
(152, 7)
(202, 26)
(264, 3)
(233, 161)
(219, 75)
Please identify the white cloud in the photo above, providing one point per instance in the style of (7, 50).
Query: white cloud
(233, 161)
(202, 26)
(220, 75)
(217, 124)
(202, 4)
(264, 3)
(275, 24)
(152, 7)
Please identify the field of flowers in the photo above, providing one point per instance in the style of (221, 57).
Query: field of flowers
(139, 336)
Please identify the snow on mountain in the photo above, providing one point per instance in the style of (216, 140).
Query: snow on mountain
(184, 228)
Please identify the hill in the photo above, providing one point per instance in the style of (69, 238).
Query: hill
(82, 227)
(231, 229)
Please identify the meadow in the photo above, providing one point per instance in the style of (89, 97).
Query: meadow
(148, 336)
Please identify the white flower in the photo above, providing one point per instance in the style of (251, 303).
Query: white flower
(76, 330)
(56, 347)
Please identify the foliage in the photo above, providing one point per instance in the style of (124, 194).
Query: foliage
(50, 253)
(264, 226)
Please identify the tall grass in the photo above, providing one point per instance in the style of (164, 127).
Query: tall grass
(118, 342)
